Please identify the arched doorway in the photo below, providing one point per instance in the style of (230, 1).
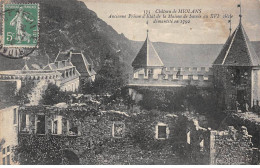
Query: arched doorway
(70, 158)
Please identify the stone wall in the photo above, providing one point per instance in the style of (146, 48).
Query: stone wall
(234, 84)
(148, 137)
(231, 146)
(114, 137)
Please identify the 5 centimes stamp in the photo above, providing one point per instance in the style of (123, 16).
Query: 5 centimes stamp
(20, 29)
(20, 25)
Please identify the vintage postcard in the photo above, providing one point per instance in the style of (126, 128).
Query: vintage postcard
(129, 82)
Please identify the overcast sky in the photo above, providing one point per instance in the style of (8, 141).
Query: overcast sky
(199, 31)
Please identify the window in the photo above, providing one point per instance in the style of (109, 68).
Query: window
(8, 149)
(188, 137)
(162, 131)
(64, 126)
(202, 145)
(3, 161)
(15, 116)
(73, 129)
(55, 127)
(41, 124)
(24, 127)
(3, 151)
(8, 160)
(118, 129)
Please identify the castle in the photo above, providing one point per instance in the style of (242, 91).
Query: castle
(67, 72)
(106, 133)
(235, 72)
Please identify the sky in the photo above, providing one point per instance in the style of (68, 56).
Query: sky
(198, 31)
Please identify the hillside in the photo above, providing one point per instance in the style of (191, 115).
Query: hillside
(188, 55)
(69, 24)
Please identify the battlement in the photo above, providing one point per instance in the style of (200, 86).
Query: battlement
(29, 74)
(176, 76)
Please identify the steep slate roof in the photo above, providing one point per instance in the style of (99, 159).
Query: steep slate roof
(147, 56)
(238, 50)
(62, 56)
(81, 63)
(50, 66)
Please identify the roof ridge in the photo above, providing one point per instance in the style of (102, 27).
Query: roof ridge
(250, 48)
(156, 52)
(232, 41)
(147, 49)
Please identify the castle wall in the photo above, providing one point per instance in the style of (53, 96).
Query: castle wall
(234, 85)
(70, 85)
(155, 73)
(231, 146)
(255, 87)
(175, 77)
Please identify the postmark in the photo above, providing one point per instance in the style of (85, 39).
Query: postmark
(20, 29)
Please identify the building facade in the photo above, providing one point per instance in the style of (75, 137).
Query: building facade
(9, 123)
(83, 66)
(234, 73)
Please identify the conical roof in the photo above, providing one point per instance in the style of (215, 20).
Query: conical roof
(238, 50)
(147, 56)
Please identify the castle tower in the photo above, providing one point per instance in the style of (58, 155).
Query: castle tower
(147, 60)
(236, 72)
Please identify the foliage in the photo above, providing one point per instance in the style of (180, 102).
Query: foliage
(86, 87)
(22, 97)
(188, 98)
(142, 132)
(54, 95)
(39, 150)
(110, 77)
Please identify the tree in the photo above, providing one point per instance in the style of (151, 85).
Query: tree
(22, 96)
(111, 76)
(54, 95)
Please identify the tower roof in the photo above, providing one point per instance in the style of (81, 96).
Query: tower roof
(238, 50)
(147, 56)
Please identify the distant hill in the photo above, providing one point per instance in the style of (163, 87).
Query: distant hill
(188, 55)
(69, 24)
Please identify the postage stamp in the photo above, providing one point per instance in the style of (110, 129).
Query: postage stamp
(20, 25)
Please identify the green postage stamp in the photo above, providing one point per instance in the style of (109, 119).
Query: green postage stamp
(20, 25)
